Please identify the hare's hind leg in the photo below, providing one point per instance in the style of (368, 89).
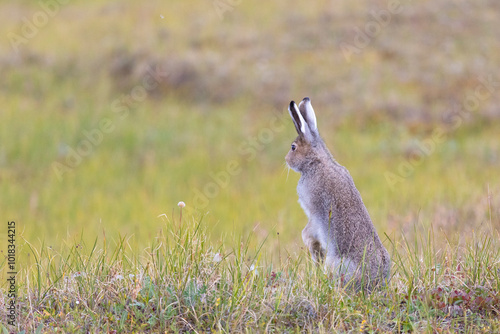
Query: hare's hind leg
(343, 269)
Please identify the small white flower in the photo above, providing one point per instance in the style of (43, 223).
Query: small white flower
(181, 204)
(78, 302)
(255, 271)
(131, 276)
(162, 17)
(119, 277)
(217, 257)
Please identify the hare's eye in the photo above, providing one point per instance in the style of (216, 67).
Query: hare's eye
(294, 147)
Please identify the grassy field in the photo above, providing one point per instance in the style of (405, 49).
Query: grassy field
(183, 282)
(113, 111)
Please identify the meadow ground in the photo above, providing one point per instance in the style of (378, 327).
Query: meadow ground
(184, 283)
(114, 111)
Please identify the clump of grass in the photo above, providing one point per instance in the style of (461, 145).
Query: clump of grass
(184, 283)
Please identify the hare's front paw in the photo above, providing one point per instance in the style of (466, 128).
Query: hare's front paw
(309, 236)
(317, 252)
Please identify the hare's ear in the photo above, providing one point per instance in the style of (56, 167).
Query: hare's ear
(308, 114)
(300, 124)
(298, 120)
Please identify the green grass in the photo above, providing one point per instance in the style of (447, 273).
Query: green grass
(227, 81)
(184, 282)
(212, 104)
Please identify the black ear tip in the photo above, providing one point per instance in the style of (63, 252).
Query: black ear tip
(292, 104)
(305, 99)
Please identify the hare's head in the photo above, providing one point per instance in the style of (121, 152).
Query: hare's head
(308, 148)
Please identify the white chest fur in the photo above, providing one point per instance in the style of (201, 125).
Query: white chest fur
(305, 199)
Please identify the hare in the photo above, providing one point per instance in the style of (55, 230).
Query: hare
(339, 233)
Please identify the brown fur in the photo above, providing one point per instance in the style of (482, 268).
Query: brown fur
(339, 227)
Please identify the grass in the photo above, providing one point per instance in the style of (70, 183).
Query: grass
(213, 103)
(184, 283)
(228, 80)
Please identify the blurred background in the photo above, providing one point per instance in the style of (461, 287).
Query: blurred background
(111, 112)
